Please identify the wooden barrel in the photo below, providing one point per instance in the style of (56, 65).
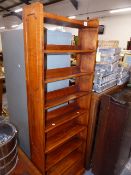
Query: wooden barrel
(8, 148)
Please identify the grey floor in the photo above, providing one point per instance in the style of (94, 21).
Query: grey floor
(88, 173)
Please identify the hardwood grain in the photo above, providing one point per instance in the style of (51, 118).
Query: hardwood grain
(61, 167)
(62, 135)
(61, 96)
(70, 121)
(57, 155)
(24, 166)
(57, 74)
(34, 63)
(93, 119)
(64, 21)
(63, 115)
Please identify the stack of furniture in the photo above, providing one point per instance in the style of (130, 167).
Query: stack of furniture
(106, 69)
(58, 136)
(123, 75)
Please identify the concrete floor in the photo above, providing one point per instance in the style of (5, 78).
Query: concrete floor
(88, 173)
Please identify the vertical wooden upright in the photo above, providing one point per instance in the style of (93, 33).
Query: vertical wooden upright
(58, 137)
(34, 61)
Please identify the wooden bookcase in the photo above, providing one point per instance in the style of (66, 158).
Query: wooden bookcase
(58, 138)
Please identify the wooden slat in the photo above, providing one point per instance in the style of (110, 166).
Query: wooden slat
(63, 135)
(62, 115)
(34, 63)
(64, 21)
(58, 97)
(61, 167)
(53, 75)
(57, 155)
(61, 49)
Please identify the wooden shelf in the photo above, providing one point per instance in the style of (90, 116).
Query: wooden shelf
(62, 115)
(53, 133)
(76, 169)
(64, 21)
(61, 167)
(61, 49)
(53, 75)
(56, 156)
(63, 135)
(61, 96)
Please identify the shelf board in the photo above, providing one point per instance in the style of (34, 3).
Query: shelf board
(61, 49)
(77, 169)
(66, 77)
(63, 73)
(62, 136)
(50, 18)
(59, 154)
(61, 96)
(65, 164)
(63, 115)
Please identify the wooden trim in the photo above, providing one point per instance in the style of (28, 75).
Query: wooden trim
(34, 61)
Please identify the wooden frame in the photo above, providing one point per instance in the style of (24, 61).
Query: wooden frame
(58, 138)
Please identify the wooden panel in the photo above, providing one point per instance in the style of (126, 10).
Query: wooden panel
(57, 155)
(87, 40)
(63, 73)
(61, 47)
(57, 97)
(76, 169)
(61, 167)
(24, 166)
(94, 112)
(64, 21)
(62, 115)
(68, 51)
(111, 128)
(61, 135)
(34, 61)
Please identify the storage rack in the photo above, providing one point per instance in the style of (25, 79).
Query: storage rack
(58, 137)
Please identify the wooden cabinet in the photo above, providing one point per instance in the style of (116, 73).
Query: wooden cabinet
(113, 140)
(93, 120)
(58, 136)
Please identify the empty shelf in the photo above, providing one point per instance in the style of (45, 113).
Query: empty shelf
(62, 115)
(63, 73)
(58, 97)
(57, 155)
(61, 167)
(61, 137)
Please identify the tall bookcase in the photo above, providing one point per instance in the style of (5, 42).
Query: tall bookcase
(58, 137)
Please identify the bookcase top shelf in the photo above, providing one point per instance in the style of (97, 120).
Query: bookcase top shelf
(54, 19)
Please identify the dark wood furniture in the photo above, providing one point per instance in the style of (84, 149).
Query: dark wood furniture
(58, 138)
(93, 119)
(24, 166)
(113, 140)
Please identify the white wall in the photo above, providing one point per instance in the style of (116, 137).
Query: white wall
(117, 28)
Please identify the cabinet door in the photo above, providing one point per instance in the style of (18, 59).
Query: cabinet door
(113, 119)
